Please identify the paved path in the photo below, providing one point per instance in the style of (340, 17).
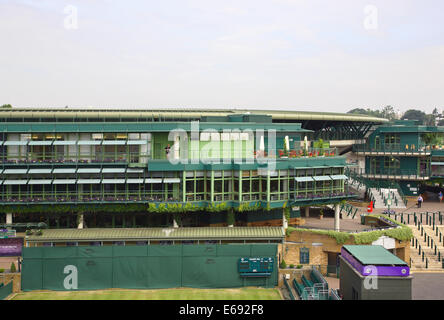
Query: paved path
(329, 223)
(428, 286)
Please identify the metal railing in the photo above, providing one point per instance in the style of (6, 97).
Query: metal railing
(393, 148)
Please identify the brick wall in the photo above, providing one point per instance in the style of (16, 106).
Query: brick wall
(323, 244)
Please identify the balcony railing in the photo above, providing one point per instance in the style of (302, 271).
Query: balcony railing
(411, 149)
(94, 197)
(36, 158)
(370, 173)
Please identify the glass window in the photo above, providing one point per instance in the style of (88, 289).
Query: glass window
(304, 256)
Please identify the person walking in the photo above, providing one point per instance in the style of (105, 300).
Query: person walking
(440, 195)
(420, 200)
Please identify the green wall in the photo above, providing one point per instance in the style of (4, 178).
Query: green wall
(143, 267)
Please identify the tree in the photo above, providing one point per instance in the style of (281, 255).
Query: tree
(388, 112)
(429, 120)
(414, 114)
(6, 106)
(368, 112)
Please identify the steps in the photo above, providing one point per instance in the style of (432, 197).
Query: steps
(417, 263)
(380, 194)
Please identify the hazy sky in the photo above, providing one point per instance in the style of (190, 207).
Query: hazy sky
(280, 54)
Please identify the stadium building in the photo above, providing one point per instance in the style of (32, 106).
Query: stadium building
(74, 168)
(401, 156)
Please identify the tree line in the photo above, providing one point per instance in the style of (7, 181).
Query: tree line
(388, 112)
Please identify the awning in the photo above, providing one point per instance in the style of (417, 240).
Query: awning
(88, 181)
(113, 170)
(64, 181)
(150, 180)
(339, 177)
(137, 142)
(322, 178)
(133, 170)
(171, 180)
(64, 170)
(114, 142)
(437, 163)
(15, 171)
(40, 143)
(40, 182)
(89, 170)
(16, 143)
(134, 180)
(64, 143)
(15, 182)
(39, 171)
(113, 181)
(303, 179)
(90, 142)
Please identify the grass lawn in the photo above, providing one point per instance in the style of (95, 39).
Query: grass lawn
(159, 294)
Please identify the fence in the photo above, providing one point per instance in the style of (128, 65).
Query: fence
(142, 267)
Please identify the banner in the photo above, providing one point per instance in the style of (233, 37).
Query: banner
(11, 247)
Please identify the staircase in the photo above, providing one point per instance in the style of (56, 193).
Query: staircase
(357, 185)
(382, 196)
(427, 248)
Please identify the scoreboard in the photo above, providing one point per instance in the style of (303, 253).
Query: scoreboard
(255, 267)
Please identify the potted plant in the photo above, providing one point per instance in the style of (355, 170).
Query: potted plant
(321, 213)
(283, 264)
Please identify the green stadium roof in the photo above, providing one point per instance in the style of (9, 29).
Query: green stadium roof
(135, 234)
(373, 255)
(177, 113)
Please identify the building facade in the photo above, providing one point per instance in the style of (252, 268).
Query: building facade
(100, 168)
(401, 154)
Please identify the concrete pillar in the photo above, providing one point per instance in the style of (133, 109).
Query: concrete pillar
(336, 217)
(307, 212)
(80, 220)
(9, 218)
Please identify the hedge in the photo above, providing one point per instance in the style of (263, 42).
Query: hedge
(404, 233)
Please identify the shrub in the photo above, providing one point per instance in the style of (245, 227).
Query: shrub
(283, 264)
(2, 270)
(299, 266)
(13, 269)
(28, 232)
(292, 266)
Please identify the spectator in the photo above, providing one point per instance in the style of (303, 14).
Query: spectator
(420, 200)
(440, 196)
